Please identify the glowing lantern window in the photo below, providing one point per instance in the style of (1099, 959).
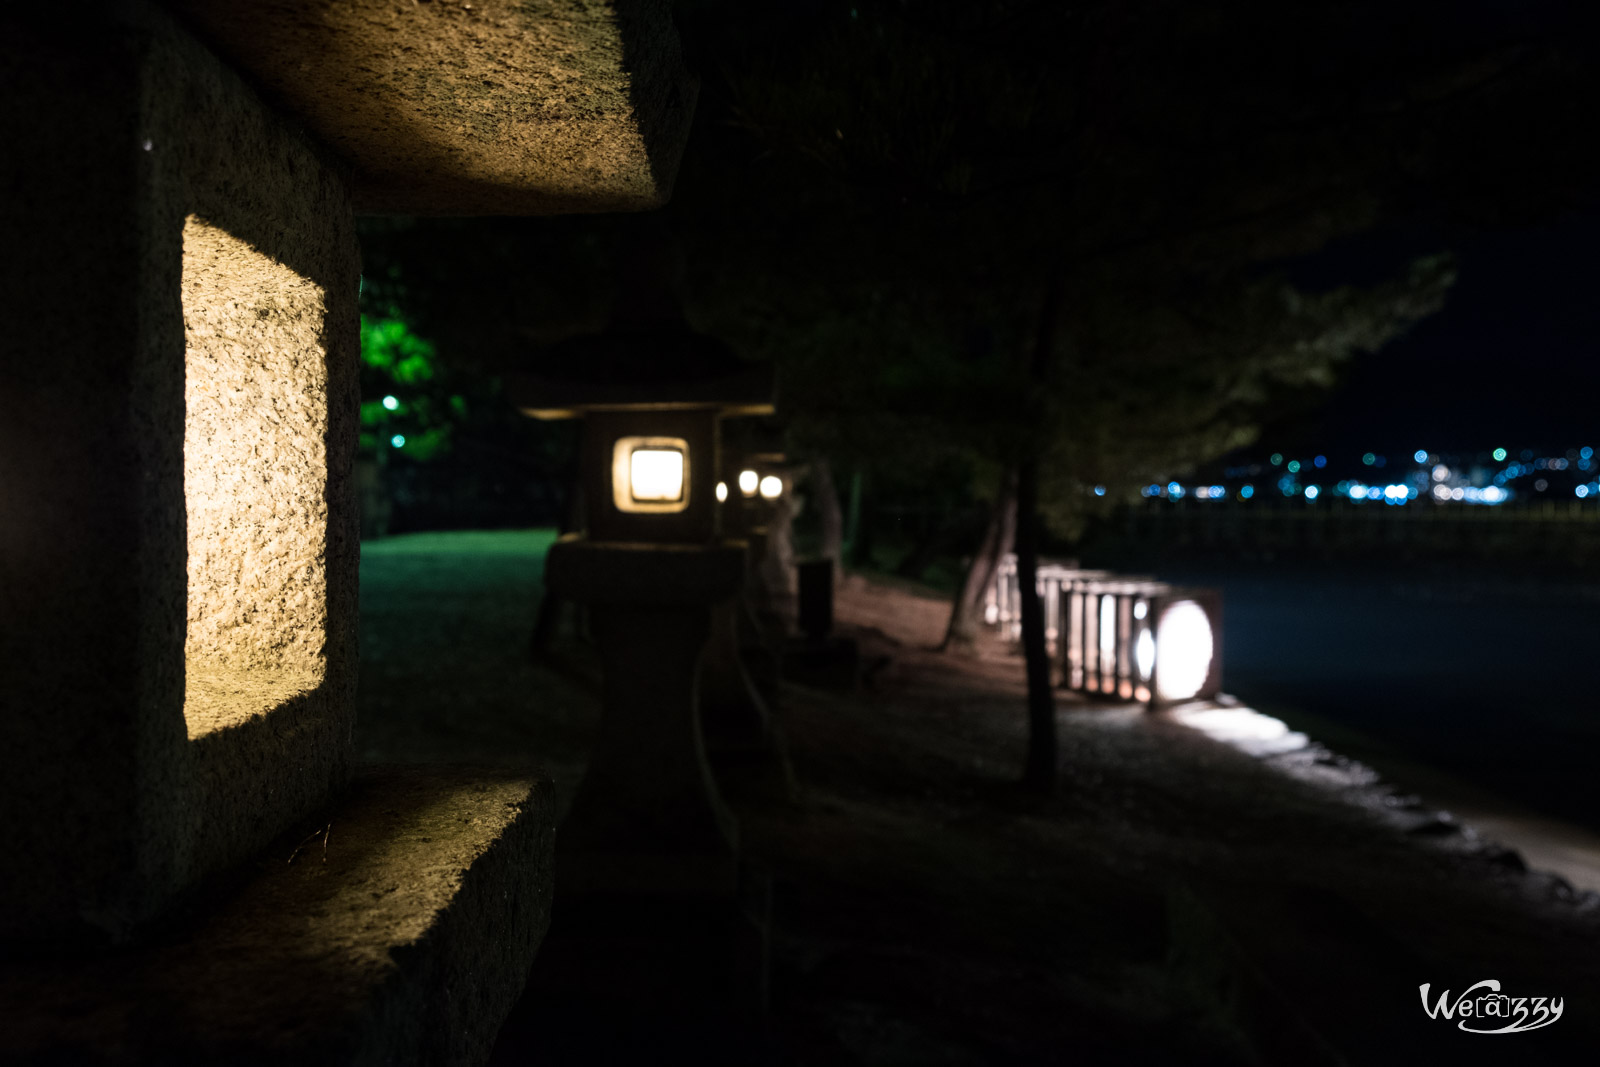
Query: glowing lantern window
(771, 487)
(1183, 651)
(722, 492)
(650, 474)
(748, 480)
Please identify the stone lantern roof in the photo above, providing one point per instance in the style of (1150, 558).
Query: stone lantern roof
(473, 107)
(640, 368)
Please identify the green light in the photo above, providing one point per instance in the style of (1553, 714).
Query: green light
(1368, 458)
(1294, 466)
(1499, 454)
(390, 403)
(1277, 458)
(398, 440)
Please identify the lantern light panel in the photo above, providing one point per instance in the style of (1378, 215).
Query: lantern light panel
(650, 474)
(748, 481)
(771, 487)
(722, 492)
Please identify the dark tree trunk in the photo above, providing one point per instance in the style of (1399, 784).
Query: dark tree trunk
(832, 517)
(966, 612)
(1040, 772)
(861, 545)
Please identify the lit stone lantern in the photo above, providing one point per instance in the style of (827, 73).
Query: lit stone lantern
(651, 568)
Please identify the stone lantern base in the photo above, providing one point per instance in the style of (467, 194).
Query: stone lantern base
(653, 902)
(648, 816)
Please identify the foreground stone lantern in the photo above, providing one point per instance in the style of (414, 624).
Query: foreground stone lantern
(178, 523)
(651, 568)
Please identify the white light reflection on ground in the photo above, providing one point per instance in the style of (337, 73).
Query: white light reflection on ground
(1546, 844)
(1243, 728)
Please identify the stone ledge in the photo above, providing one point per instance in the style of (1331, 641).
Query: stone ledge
(399, 930)
(499, 107)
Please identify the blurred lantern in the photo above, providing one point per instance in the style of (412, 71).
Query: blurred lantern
(652, 569)
(1121, 636)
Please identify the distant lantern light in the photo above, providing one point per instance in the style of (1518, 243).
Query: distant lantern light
(1246, 492)
(1441, 492)
(391, 403)
(1441, 472)
(1312, 492)
(1294, 466)
(1183, 651)
(771, 487)
(650, 475)
(1108, 628)
(1320, 461)
(1458, 494)
(1202, 492)
(1586, 452)
(1099, 490)
(722, 492)
(1218, 492)
(398, 440)
(748, 482)
(1145, 654)
(1420, 455)
(1368, 459)
(1493, 494)
(1581, 491)
(1141, 608)
(1499, 455)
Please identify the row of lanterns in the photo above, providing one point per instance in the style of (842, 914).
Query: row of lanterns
(1119, 636)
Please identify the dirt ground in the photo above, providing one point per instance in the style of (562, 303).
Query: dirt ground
(1177, 901)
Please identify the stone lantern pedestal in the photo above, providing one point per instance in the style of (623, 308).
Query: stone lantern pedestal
(647, 816)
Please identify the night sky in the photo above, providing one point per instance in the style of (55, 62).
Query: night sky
(1511, 360)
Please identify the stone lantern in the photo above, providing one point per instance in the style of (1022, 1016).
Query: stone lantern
(651, 567)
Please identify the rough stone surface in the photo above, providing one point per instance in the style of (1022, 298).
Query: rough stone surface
(123, 135)
(485, 108)
(397, 928)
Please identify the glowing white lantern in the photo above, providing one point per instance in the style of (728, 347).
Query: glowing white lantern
(650, 474)
(1184, 648)
(748, 482)
(771, 486)
(722, 492)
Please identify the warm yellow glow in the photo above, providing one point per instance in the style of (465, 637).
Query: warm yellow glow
(656, 475)
(1183, 651)
(722, 491)
(650, 474)
(771, 487)
(747, 482)
(255, 480)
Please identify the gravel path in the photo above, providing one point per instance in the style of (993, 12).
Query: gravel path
(1178, 901)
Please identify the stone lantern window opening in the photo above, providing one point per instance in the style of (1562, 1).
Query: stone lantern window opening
(255, 471)
(749, 482)
(650, 475)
